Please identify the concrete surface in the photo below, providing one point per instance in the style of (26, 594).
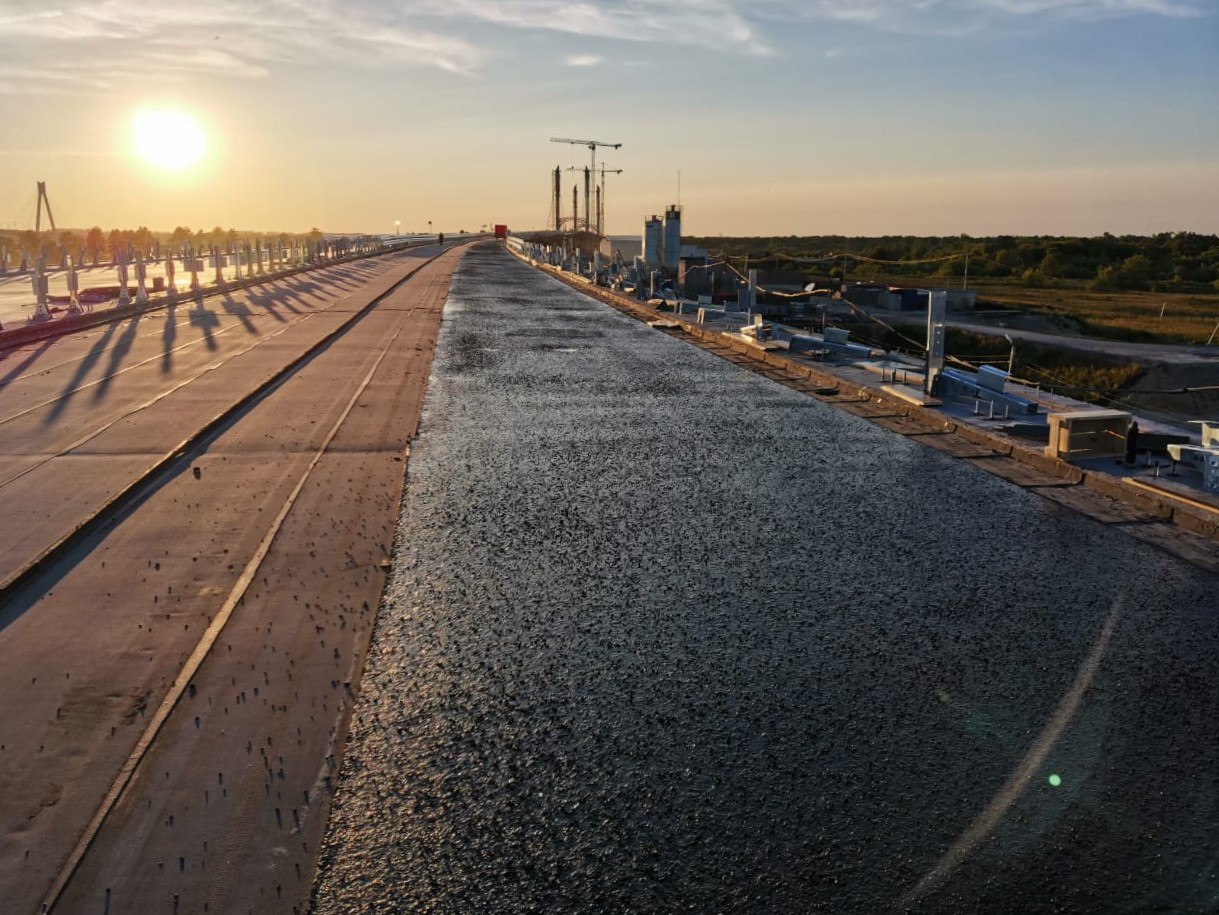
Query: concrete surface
(82, 415)
(225, 811)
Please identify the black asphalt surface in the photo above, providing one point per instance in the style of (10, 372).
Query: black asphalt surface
(664, 636)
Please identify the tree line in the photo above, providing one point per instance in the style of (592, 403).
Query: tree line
(1167, 262)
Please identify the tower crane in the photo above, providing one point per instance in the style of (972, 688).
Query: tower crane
(601, 197)
(592, 146)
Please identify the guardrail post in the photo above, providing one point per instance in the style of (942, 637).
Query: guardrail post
(219, 270)
(73, 289)
(124, 293)
(194, 270)
(39, 279)
(141, 279)
(171, 291)
(258, 253)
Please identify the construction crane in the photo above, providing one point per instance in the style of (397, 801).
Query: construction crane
(575, 216)
(592, 146)
(601, 197)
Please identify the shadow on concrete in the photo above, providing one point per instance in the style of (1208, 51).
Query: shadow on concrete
(207, 322)
(239, 310)
(17, 370)
(81, 543)
(82, 369)
(121, 348)
(168, 335)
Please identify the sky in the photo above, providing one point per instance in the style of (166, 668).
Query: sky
(767, 117)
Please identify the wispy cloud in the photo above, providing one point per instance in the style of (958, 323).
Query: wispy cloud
(722, 24)
(225, 38)
(249, 40)
(21, 18)
(957, 16)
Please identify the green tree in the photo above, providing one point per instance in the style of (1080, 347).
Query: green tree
(95, 243)
(1052, 264)
(1136, 272)
(1106, 278)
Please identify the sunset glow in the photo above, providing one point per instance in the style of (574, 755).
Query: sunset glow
(168, 139)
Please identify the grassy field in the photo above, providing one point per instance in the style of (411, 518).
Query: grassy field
(1073, 285)
(1075, 374)
(1134, 316)
(1130, 316)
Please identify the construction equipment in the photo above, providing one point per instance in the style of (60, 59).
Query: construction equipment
(575, 213)
(592, 146)
(601, 197)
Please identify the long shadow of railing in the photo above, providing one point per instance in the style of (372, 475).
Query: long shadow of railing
(239, 310)
(121, 347)
(25, 363)
(295, 289)
(206, 321)
(168, 335)
(82, 369)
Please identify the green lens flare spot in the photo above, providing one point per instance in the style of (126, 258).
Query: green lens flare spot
(1055, 780)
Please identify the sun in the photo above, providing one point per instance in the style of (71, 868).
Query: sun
(168, 139)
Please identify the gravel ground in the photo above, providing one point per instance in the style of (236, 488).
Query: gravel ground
(663, 636)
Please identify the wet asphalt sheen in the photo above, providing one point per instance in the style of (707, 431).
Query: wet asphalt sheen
(665, 636)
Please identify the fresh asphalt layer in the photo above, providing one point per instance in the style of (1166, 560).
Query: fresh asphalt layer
(662, 635)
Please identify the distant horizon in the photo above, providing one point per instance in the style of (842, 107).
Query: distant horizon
(860, 118)
(81, 230)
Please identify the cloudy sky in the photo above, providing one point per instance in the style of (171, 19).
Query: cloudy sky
(781, 116)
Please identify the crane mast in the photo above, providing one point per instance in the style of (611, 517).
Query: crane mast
(592, 147)
(601, 197)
